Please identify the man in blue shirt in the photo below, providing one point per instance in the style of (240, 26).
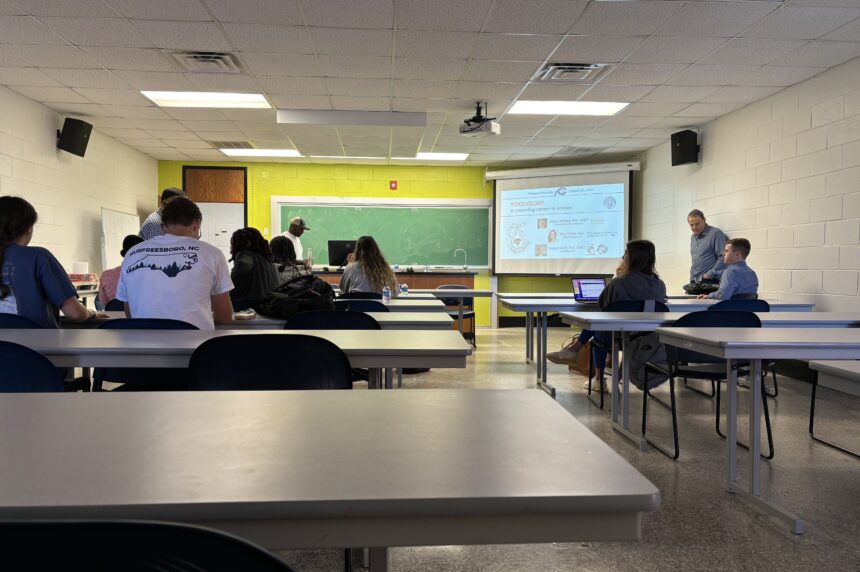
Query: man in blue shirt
(737, 278)
(706, 248)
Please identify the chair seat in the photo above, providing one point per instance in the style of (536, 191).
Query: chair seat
(456, 314)
(715, 371)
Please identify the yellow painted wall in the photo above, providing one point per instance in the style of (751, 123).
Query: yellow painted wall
(268, 179)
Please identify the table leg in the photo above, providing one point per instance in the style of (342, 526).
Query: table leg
(389, 378)
(732, 422)
(543, 327)
(460, 315)
(378, 559)
(621, 390)
(755, 428)
(539, 350)
(616, 371)
(625, 376)
(529, 338)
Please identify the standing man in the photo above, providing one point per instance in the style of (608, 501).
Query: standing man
(706, 248)
(152, 225)
(737, 277)
(297, 229)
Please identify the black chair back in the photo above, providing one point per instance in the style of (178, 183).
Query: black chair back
(467, 302)
(115, 306)
(709, 319)
(146, 324)
(747, 296)
(355, 295)
(23, 370)
(16, 322)
(636, 306)
(360, 305)
(269, 362)
(743, 304)
(331, 320)
(129, 545)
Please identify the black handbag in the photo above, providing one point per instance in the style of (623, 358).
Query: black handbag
(696, 288)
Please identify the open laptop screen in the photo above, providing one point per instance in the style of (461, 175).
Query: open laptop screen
(587, 289)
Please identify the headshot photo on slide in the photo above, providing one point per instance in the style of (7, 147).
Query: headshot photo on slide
(553, 236)
(541, 223)
(540, 250)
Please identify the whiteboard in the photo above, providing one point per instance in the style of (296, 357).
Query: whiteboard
(220, 221)
(115, 227)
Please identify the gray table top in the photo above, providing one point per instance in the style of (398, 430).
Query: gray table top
(760, 343)
(569, 305)
(453, 292)
(646, 321)
(842, 368)
(406, 305)
(315, 454)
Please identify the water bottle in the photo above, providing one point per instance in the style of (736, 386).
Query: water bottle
(310, 257)
(386, 295)
(404, 289)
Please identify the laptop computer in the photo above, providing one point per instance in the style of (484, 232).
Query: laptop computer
(587, 290)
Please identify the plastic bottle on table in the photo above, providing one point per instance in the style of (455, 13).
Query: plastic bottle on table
(404, 289)
(386, 295)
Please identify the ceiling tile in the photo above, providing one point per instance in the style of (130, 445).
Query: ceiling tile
(662, 133)
(203, 125)
(708, 109)
(26, 76)
(412, 44)
(266, 115)
(123, 132)
(514, 47)
(487, 91)
(111, 122)
(678, 122)
(596, 49)
(360, 87)
(429, 69)
(135, 112)
(354, 14)
(57, 56)
(751, 51)
(778, 75)
(554, 91)
(114, 96)
(623, 18)
(300, 101)
(202, 154)
(82, 8)
(173, 137)
(545, 17)
(642, 74)
(26, 30)
(155, 81)
(271, 39)
(361, 103)
(352, 42)
(158, 124)
(135, 59)
(674, 50)
(297, 130)
(442, 15)
(638, 122)
(847, 33)
(489, 70)
(223, 82)
(85, 110)
(736, 94)
(50, 94)
(714, 19)
(680, 94)
(801, 22)
(275, 12)
(84, 78)
(700, 74)
(191, 113)
(821, 53)
(651, 109)
(616, 93)
(639, 143)
(98, 32)
(281, 64)
(234, 135)
(359, 67)
(203, 36)
(12, 56)
(293, 85)
(161, 9)
(577, 121)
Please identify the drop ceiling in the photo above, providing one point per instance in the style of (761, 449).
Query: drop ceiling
(679, 63)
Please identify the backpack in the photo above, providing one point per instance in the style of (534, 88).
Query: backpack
(299, 294)
(644, 348)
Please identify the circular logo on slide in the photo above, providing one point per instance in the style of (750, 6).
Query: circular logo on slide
(602, 249)
(561, 191)
(609, 202)
(517, 237)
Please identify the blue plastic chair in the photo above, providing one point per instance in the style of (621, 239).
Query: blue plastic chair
(16, 322)
(23, 370)
(331, 320)
(269, 362)
(129, 545)
(356, 295)
(468, 309)
(360, 305)
(149, 378)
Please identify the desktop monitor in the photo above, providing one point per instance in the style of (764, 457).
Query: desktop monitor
(338, 250)
(587, 289)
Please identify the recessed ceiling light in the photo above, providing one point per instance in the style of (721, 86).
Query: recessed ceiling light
(207, 99)
(435, 157)
(261, 152)
(567, 107)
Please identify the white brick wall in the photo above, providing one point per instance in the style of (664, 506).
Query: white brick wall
(783, 172)
(68, 191)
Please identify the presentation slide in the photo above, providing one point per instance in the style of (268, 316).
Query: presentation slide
(561, 229)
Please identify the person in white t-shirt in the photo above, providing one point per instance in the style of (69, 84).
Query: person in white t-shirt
(298, 226)
(177, 275)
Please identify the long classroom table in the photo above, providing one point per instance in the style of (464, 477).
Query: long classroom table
(757, 344)
(435, 467)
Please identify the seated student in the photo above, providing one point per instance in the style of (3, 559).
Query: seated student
(253, 273)
(636, 280)
(110, 277)
(368, 271)
(177, 275)
(33, 284)
(284, 256)
(737, 278)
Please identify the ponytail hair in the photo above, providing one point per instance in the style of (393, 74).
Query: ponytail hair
(17, 217)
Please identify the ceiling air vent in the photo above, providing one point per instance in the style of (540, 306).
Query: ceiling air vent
(573, 73)
(231, 145)
(207, 62)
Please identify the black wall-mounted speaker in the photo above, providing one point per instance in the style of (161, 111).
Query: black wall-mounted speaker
(75, 136)
(685, 147)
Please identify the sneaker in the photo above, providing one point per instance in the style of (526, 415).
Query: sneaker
(566, 355)
(595, 386)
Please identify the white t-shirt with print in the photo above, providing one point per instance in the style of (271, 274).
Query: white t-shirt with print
(174, 277)
(297, 244)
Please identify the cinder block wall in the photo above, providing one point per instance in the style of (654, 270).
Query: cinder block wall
(783, 172)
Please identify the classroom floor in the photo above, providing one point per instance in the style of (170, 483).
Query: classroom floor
(698, 526)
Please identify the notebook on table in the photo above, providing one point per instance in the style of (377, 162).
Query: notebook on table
(587, 290)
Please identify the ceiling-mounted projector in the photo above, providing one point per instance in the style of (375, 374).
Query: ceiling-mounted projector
(479, 124)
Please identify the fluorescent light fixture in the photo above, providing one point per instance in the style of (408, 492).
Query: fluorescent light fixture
(347, 157)
(261, 152)
(567, 107)
(207, 99)
(435, 157)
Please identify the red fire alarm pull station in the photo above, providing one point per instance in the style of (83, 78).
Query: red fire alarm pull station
(392, 185)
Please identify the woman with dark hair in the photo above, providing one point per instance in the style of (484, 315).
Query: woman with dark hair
(33, 283)
(284, 257)
(369, 271)
(637, 279)
(253, 273)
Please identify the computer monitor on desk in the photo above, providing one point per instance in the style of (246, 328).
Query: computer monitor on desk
(338, 250)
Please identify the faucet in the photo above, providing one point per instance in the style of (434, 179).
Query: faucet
(465, 264)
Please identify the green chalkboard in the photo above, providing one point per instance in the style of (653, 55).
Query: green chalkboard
(407, 235)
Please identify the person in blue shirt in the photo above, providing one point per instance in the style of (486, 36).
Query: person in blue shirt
(706, 247)
(33, 284)
(737, 278)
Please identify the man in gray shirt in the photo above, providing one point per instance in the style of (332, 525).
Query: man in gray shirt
(737, 278)
(706, 248)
